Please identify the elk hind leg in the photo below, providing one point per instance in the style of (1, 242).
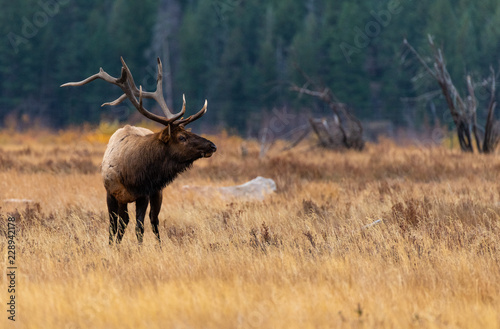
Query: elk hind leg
(123, 219)
(155, 201)
(140, 212)
(113, 216)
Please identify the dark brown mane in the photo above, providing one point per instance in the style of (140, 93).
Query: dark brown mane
(154, 168)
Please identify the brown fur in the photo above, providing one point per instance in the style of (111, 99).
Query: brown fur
(138, 164)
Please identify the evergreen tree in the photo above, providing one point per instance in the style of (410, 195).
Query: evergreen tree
(240, 55)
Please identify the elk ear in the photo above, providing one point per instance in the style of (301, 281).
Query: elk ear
(165, 134)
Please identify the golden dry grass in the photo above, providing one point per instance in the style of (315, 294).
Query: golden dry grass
(300, 259)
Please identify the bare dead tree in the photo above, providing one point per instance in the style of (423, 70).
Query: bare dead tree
(344, 131)
(463, 113)
(492, 127)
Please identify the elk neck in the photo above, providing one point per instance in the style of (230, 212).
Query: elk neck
(155, 166)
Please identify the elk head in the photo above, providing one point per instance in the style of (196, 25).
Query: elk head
(183, 145)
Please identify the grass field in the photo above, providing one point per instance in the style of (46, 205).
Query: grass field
(300, 259)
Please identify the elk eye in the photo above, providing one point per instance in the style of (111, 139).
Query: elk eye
(182, 139)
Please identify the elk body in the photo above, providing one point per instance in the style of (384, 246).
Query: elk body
(138, 163)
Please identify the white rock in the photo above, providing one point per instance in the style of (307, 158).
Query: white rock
(18, 201)
(256, 189)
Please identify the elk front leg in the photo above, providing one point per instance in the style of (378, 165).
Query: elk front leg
(113, 216)
(122, 221)
(140, 212)
(155, 201)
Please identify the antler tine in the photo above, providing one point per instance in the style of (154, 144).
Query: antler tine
(140, 96)
(158, 96)
(116, 101)
(130, 79)
(101, 75)
(194, 116)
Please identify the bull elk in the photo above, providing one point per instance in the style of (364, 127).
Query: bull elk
(138, 163)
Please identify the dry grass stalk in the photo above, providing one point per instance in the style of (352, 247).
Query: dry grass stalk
(298, 259)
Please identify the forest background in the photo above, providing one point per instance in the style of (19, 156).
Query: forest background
(240, 55)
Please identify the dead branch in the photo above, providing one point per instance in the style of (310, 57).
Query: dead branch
(349, 127)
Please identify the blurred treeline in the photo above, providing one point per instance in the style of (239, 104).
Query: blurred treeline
(241, 55)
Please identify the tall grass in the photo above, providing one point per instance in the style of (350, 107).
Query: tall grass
(303, 258)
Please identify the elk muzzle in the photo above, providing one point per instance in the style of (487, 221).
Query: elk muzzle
(210, 150)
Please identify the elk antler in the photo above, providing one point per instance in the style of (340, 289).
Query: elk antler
(127, 84)
(193, 117)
